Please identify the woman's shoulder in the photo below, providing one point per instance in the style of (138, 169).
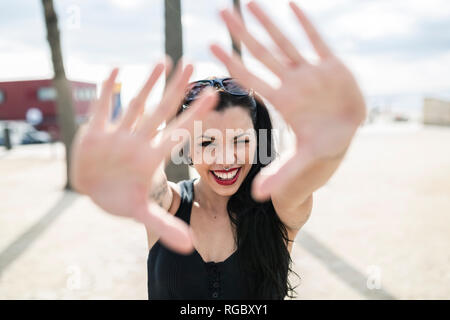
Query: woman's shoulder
(176, 197)
(181, 192)
(178, 193)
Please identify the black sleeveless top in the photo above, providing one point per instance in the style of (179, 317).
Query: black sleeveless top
(177, 276)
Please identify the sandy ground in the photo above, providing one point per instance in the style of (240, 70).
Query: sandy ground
(380, 228)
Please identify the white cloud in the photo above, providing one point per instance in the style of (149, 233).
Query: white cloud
(127, 4)
(129, 34)
(386, 75)
(372, 22)
(21, 62)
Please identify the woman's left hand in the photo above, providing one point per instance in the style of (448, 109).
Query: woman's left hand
(321, 102)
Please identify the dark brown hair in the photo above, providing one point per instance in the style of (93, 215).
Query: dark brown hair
(261, 236)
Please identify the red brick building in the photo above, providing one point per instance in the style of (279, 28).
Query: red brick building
(36, 99)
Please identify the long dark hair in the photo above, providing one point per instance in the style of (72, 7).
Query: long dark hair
(261, 236)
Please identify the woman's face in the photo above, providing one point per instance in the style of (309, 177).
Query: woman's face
(226, 140)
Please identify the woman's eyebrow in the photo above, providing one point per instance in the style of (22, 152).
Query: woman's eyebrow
(239, 135)
(204, 136)
(212, 138)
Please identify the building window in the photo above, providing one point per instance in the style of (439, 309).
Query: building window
(85, 94)
(46, 94)
(2, 96)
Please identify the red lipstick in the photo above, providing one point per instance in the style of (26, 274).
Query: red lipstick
(226, 182)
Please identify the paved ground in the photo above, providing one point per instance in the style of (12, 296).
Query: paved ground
(380, 229)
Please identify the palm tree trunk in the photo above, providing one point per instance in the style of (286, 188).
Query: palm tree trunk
(174, 48)
(237, 44)
(66, 117)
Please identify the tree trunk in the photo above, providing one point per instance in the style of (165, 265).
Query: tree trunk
(174, 48)
(237, 44)
(66, 116)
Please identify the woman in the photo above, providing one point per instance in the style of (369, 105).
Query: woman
(234, 232)
(242, 218)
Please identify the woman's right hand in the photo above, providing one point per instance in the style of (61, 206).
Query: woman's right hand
(113, 163)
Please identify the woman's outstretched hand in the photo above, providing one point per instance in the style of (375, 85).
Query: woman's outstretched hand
(321, 102)
(113, 163)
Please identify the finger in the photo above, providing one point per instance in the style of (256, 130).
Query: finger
(172, 231)
(238, 30)
(169, 104)
(238, 70)
(274, 176)
(275, 33)
(318, 43)
(169, 65)
(137, 105)
(183, 126)
(168, 69)
(102, 107)
(175, 91)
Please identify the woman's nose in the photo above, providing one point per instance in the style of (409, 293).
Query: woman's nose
(226, 155)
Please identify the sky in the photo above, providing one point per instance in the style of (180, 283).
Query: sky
(398, 50)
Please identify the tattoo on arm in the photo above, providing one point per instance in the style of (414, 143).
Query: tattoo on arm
(159, 192)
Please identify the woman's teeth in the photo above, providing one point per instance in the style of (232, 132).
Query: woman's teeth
(224, 175)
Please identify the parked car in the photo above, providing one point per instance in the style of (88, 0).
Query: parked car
(400, 118)
(35, 136)
(21, 132)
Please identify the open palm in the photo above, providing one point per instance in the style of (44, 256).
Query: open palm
(321, 102)
(114, 163)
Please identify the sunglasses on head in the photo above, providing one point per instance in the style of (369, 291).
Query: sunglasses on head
(228, 85)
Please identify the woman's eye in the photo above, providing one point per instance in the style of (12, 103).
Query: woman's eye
(243, 141)
(205, 143)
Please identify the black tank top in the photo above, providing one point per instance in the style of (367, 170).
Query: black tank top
(177, 276)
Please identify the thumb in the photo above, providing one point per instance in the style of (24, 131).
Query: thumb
(173, 232)
(278, 174)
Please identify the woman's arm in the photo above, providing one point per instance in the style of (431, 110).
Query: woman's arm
(167, 195)
(293, 201)
(161, 192)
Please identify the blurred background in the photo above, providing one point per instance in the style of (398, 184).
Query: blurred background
(380, 227)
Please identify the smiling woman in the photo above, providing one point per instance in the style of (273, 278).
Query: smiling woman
(242, 240)
(229, 233)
